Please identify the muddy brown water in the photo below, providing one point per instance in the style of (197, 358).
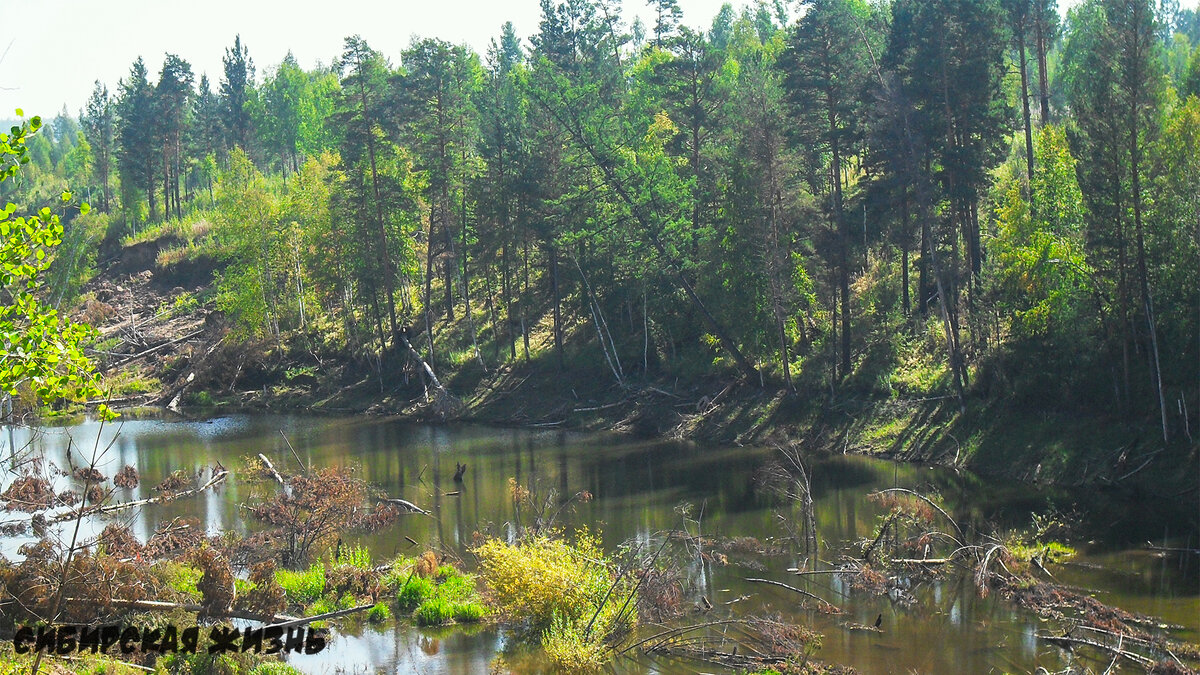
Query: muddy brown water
(640, 489)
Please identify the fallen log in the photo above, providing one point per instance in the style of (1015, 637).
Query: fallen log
(829, 605)
(163, 605)
(270, 468)
(320, 617)
(1066, 641)
(405, 504)
(154, 349)
(121, 506)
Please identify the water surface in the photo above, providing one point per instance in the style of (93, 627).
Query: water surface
(641, 489)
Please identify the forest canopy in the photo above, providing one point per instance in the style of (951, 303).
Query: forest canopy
(982, 199)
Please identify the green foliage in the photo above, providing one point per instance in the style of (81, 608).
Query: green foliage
(355, 556)
(414, 592)
(570, 648)
(43, 350)
(302, 587)
(379, 613)
(434, 612)
(1043, 273)
(558, 592)
(182, 578)
(468, 612)
(274, 668)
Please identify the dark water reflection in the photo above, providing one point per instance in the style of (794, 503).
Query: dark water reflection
(639, 489)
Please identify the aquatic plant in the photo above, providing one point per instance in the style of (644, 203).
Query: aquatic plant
(433, 612)
(414, 592)
(379, 613)
(566, 595)
(304, 586)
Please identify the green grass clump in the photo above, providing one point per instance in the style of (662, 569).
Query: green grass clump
(320, 606)
(457, 588)
(355, 556)
(274, 668)
(181, 578)
(242, 586)
(414, 592)
(347, 601)
(304, 586)
(468, 612)
(379, 613)
(434, 612)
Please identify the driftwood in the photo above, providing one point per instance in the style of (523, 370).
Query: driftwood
(294, 454)
(829, 605)
(109, 508)
(923, 561)
(155, 348)
(162, 605)
(1066, 641)
(321, 617)
(270, 468)
(599, 407)
(405, 504)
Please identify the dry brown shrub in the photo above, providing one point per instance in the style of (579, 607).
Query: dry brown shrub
(427, 564)
(216, 582)
(660, 596)
(345, 579)
(248, 551)
(89, 474)
(318, 507)
(95, 312)
(96, 494)
(68, 498)
(906, 504)
(127, 477)
(784, 639)
(89, 587)
(28, 493)
(748, 545)
(173, 483)
(267, 599)
(865, 579)
(175, 538)
(117, 540)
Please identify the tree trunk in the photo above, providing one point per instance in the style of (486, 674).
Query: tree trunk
(1025, 112)
(1147, 302)
(1043, 76)
(555, 291)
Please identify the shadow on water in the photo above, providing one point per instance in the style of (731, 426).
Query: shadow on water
(641, 488)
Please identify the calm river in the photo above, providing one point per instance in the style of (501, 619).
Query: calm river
(640, 488)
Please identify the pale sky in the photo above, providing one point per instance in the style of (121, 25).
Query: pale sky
(57, 49)
(52, 51)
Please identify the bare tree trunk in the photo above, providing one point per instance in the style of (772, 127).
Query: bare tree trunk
(1025, 112)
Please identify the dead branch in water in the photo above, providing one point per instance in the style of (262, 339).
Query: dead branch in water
(163, 605)
(270, 468)
(405, 504)
(962, 538)
(1066, 641)
(828, 606)
(121, 506)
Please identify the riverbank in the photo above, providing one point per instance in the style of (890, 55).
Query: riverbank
(164, 344)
